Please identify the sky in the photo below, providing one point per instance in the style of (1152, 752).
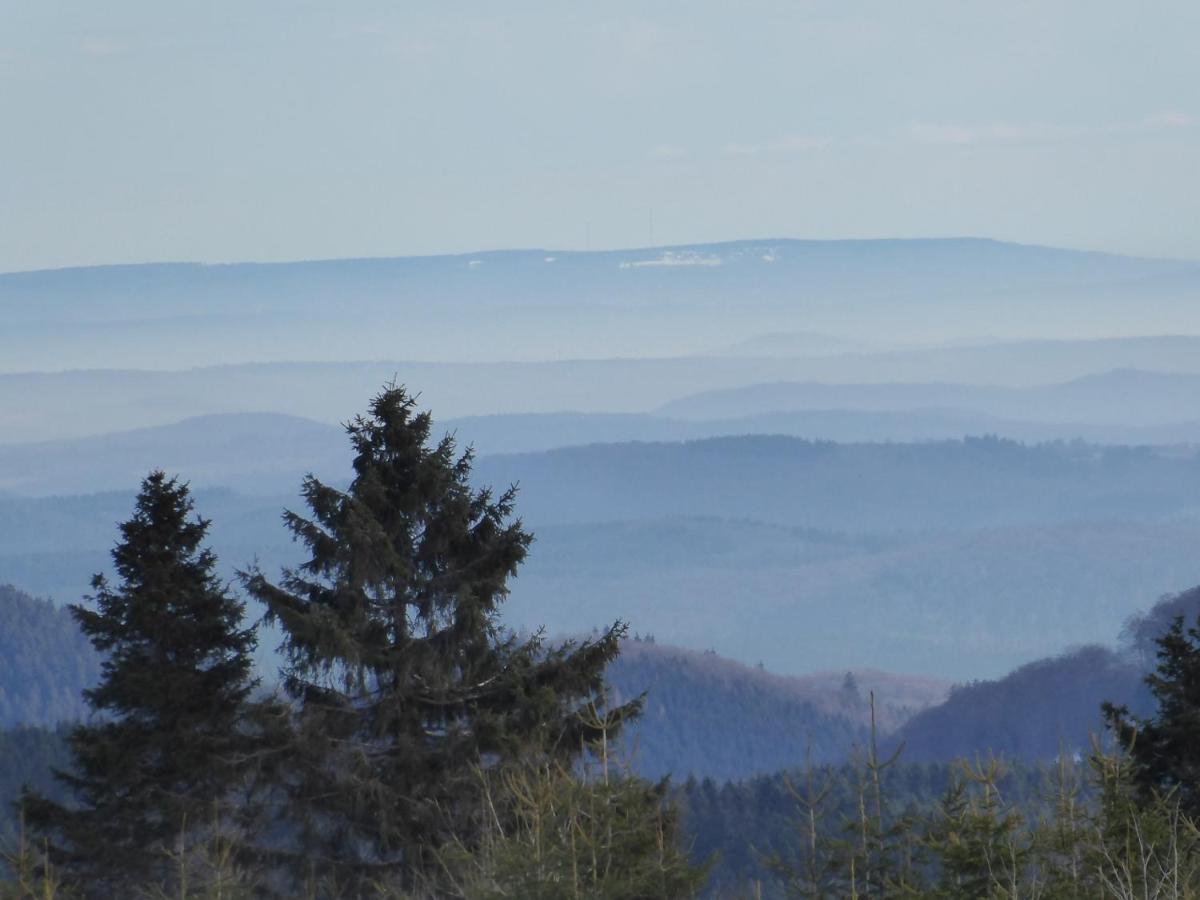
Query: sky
(137, 130)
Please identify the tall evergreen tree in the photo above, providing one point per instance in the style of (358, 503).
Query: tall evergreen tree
(1165, 749)
(403, 679)
(163, 755)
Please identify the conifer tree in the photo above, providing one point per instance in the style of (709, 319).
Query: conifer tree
(159, 761)
(1165, 749)
(403, 679)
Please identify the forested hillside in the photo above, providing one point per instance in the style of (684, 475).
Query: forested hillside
(1041, 710)
(710, 717)
(44, 662)
(705, 716)
(1050, 706)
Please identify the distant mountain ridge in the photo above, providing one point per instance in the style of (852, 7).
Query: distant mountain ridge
(842, 255)
(1127, 396)
(547, 304)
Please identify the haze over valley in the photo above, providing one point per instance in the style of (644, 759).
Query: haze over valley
(934, 503)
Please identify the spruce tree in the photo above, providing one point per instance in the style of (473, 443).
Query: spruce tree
(1165, 749)
(404, 683)
(160, 759)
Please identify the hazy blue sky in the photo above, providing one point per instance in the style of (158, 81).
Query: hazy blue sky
(143, 130)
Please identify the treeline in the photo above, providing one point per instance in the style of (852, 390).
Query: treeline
(759, 830)
(978, 829)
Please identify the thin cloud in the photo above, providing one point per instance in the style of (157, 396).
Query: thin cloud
(741, 150)
(97, 45)
(793, 143)
(996, 133)
(666, 152)
(1013, 133)
(641, 38)
(798, 143)
(1171, 118)
(362, 30)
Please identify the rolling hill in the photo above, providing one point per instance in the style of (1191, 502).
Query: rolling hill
(266, 453)
(969, 484)
(957, 559)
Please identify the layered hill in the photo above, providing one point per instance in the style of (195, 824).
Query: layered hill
(43, 406)
(266, 453)
(959, 559)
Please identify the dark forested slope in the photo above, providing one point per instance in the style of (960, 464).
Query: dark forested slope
(1049, 706)
(45, 662)
(1042, 709)
(711, 717)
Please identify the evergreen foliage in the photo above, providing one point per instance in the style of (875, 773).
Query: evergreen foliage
(1164, 748)
(402, 678)
(163, 753)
